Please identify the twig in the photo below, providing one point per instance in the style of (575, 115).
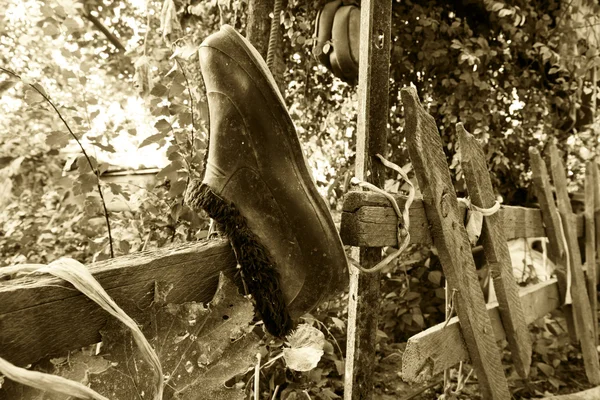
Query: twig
(275, 392)
(257, 377)
(95, 170)
(187, 181)
(422, 389)
(109, 35)
(187, 83)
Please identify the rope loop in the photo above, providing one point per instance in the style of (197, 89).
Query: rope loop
(402, 231)
(486, 212)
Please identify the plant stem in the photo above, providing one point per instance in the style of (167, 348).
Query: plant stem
(187, 83)
(95, 170)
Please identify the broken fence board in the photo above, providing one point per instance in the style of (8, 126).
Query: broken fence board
(481, 192)
(42, 316)
(450, 239)
(581, 305)
(368, 220)
(590, 241)
(541, 183)
(371, 139)
(430, 352)
(597, 212)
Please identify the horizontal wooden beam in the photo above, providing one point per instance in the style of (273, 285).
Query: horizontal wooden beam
(590, 394)
(368, 220)
(440, 347)
(42, 316)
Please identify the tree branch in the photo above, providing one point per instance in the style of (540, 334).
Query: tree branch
(109, 35)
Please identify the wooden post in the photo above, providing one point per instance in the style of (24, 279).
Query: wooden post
(496, 251)
(373, 111)
(597, 212)
(590, 240)
(259, 24)
(541, 182)
(258, 29)
(454, 250)
(581, 304)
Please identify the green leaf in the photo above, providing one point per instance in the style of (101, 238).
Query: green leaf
(158, 90)
(161, 111)
(176, 89)
(106, 147)
(170, 171)
(60, 11)
(201, 347)
(72, 24)
(186, 51)
(435, 277)
(47, 11)
(162, 125)
(32, 97)
(418, 318)
(177, 188)
(58, 139)
(505, 12)
(51, 30)
(185, 118)
(87, 182)
(103, 167)
(83, 166)
(306, 348)
(411, 296)
(124, 246)
(152, 139)
(546, 369)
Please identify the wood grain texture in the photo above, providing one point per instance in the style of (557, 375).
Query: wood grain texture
(481, 192)
(590, 241)
(371, 139)
(430, 352)
(581, 305)
(42, 316)
(596, 174)
(450, 238)
(551, 218)
(368, 220)
(590, 394)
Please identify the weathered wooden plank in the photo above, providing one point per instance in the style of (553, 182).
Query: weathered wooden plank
(597, 213)
(590, 394)
(368, 220)
(481, 192)
(450, 239)
(541, 183)
(430, 352)
(581, 305)
(590, 241)
(371, 139)
(42, 316)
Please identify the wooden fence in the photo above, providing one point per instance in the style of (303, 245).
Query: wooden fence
(43, 316)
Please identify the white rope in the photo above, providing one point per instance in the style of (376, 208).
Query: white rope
(486, 212)
(403, 235)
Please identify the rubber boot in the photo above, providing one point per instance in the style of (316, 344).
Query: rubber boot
(258, 187)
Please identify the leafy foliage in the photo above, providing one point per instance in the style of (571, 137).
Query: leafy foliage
(517, 74)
